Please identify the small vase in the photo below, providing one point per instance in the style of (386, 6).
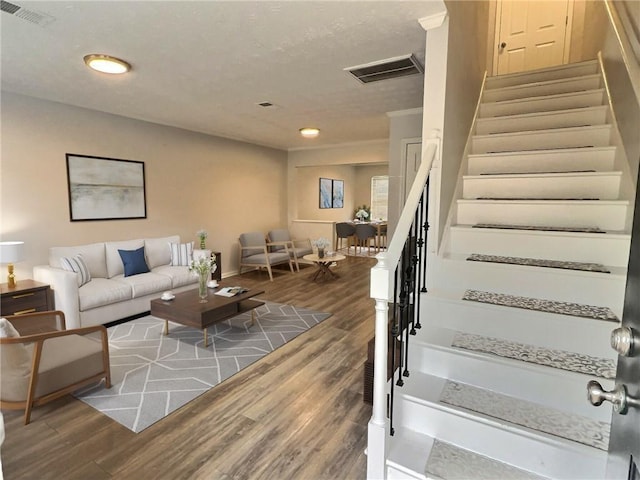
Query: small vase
(320, 252)
(202, 286)
(202, 245)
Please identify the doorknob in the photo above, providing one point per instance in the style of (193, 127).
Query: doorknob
(502, 45)
(618, 396)
(624, 341)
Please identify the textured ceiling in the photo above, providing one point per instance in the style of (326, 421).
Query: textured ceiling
(205, 65)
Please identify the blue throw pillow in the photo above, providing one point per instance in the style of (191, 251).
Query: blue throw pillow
(133, 261)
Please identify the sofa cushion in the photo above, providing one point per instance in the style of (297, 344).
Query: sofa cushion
(133, 262)
(145, 283)
(103, 291)
(15, 364)
(261, 259)
(114, 262)
(181, 254)
(77, 264)
(157, 250)
(180, 276)
(94, 256)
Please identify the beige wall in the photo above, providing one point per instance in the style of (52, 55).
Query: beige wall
(338, 162)
(193, 181)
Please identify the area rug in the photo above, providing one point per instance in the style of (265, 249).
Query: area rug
(153, 375)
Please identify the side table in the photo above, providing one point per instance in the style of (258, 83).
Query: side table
(26, 297)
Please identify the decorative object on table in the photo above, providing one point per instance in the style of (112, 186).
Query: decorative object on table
(202, 236)
(105, 188)
(321, 244)
(363, 213)
(10, 253)
(202, 267)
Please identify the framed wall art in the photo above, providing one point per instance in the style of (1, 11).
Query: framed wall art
(326, 193)
(105, 188)
(338, 194)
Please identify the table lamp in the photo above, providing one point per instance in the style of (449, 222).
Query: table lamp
(11, 252)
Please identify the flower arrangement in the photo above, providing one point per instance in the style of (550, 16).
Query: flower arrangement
(202, 235)
(321, 243)
(202, 265)
(362, 213)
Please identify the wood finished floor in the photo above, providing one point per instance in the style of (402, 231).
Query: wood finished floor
(296, 414)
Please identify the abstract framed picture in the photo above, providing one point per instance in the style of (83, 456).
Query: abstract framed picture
(326, 193)
(105, 188)
(338, 194)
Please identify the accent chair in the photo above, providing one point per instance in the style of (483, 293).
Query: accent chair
(254, 252)
(298, 248)
(42, 361)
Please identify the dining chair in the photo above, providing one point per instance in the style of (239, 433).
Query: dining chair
(42, 360)
(298, 248)
(344, 230)
(364, 233)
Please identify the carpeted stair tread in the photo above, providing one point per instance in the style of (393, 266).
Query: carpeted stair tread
(449, 461)
(540, 149)
(569, 199)
(561, 359)
(542, 305)
(537, 262)
(488, 174)
(527, 414)
(540, 228)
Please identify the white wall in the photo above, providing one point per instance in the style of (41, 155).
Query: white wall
(193, 180)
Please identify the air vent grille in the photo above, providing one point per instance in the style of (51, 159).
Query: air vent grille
(33, 16)
(385, 69)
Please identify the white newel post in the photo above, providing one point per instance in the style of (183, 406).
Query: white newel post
(378, 429)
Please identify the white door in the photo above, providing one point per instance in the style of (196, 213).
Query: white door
(531, 34)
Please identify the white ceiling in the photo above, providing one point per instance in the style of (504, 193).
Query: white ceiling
(204, 65)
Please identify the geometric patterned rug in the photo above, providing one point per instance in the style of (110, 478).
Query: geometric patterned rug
(153, 375)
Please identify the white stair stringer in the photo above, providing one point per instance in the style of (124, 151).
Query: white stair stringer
(528, 449)
(605, 248)
(573, 185)
(543, 120)
(591, 288)
(605, 214)
(600, 159)
(446, 309)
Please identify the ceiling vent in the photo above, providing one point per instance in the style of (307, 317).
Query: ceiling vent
(32, 16)
(384, 69)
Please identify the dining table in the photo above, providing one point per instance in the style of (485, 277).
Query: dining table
(381, 231)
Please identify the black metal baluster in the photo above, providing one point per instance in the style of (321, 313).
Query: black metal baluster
(421, 252)
(426, 231)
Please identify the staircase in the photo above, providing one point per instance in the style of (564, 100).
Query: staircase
(518, 316)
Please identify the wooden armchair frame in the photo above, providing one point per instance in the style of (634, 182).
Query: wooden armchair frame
(38, 339)
(268, 256)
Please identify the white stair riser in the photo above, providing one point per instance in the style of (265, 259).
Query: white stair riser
(397, 474)
(598, 186)
(573, 334)
(566, 71)
(559, 390)
(540, 455)
(599, 159)
(553, 87)
(598, 136)
(600, 289)
(543, 104)
(546, 120)
(607, 215)
(611, 250)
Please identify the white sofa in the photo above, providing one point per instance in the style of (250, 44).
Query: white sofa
(109, 295)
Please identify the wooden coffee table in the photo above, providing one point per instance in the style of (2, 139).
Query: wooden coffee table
(187, 310)
(323, 265)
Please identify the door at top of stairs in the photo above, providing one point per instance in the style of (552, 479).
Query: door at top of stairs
(531, 35)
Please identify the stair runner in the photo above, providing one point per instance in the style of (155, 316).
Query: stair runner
(450, 461)
(536, 262)
(562, 359)
(538, 417)
(542, 305)
(540, 228)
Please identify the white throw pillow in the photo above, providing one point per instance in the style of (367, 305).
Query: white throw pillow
(15, 363)
(77, 264)
(181, 254)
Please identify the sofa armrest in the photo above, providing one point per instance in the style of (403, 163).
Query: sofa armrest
(65, 289)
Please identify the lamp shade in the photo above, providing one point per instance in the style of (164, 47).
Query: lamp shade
(11, 252)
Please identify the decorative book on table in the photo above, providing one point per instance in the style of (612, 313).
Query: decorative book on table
(230, 291)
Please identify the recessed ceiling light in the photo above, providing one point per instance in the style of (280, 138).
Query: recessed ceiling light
(309, 132)
(106, 64)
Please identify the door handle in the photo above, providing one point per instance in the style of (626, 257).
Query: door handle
(502, 46)
(618, 396)
(624, 341)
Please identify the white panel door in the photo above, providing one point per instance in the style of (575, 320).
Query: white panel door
(532, 34)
